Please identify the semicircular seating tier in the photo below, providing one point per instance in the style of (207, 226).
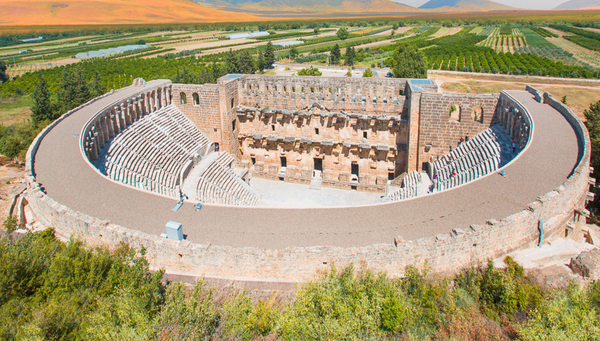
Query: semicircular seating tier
(218, 184)
(481, 155)
(151, 153)
(154, 153)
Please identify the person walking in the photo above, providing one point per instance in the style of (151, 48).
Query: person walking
(514, 145)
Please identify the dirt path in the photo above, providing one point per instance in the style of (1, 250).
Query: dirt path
(11, 183)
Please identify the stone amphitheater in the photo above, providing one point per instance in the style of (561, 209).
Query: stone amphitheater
(453, 179)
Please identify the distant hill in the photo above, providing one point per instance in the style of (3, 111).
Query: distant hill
(95, 12)
(465, 5)
(310, 6)
(578, 4)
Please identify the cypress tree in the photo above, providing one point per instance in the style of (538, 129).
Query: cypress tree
(246, 62)
(336, 54)
(350, 55)
(260, 62)
(269, 55)
(42, 108)
(3, 75)
(74, 90)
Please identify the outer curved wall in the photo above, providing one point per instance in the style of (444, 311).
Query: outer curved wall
(442, 253)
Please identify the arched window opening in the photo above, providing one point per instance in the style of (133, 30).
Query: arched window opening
(454, 112)
(196, 99)
(182, 98)
(477, 114)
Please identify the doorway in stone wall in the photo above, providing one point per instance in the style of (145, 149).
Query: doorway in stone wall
(354, 172)
(318, 168)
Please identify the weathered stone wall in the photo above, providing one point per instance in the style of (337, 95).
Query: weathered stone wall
(228, 100)
(384, 156)
(442, 253)
(336, 140)
(358, 95)
(439, 129)
(202, 106)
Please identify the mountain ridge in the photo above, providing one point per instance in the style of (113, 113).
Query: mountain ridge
(310, 6)
(462, 5)
(578, 4)
(97, 12)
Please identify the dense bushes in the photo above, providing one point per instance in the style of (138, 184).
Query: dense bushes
(50, 290)
(588, 43)
(577, 31)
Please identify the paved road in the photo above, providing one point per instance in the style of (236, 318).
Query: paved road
(68, 179)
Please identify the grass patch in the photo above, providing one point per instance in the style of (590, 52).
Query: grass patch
(15, 109)
(456, 87)
(578, 99)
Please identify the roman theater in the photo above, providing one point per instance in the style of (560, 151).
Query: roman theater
(273, 178)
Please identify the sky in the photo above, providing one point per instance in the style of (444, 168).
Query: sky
(528, 4)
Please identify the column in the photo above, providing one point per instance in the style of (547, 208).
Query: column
(109, 125)
(115, 113)
(100, 136)
(129, 112)
(123, 116)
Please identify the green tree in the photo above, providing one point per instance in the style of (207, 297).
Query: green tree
(204, 76)
(336, 54)
(43, 108)
(294, 53)
(74, 90)
(592, 123)
(269, 55)
(232, 62)
(395, 26)
(368, 73)
(309, 72)
(349, 72)
(316, 30)
(246, 62)
(96, 87)
(342, 33)
(564, 99)
(408, 62)
(350, 55)
(260, 61)
(3, 75)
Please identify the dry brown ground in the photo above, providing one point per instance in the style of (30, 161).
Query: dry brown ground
(557, 32)
(567, 45)
(579, 94)
(11, 183)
